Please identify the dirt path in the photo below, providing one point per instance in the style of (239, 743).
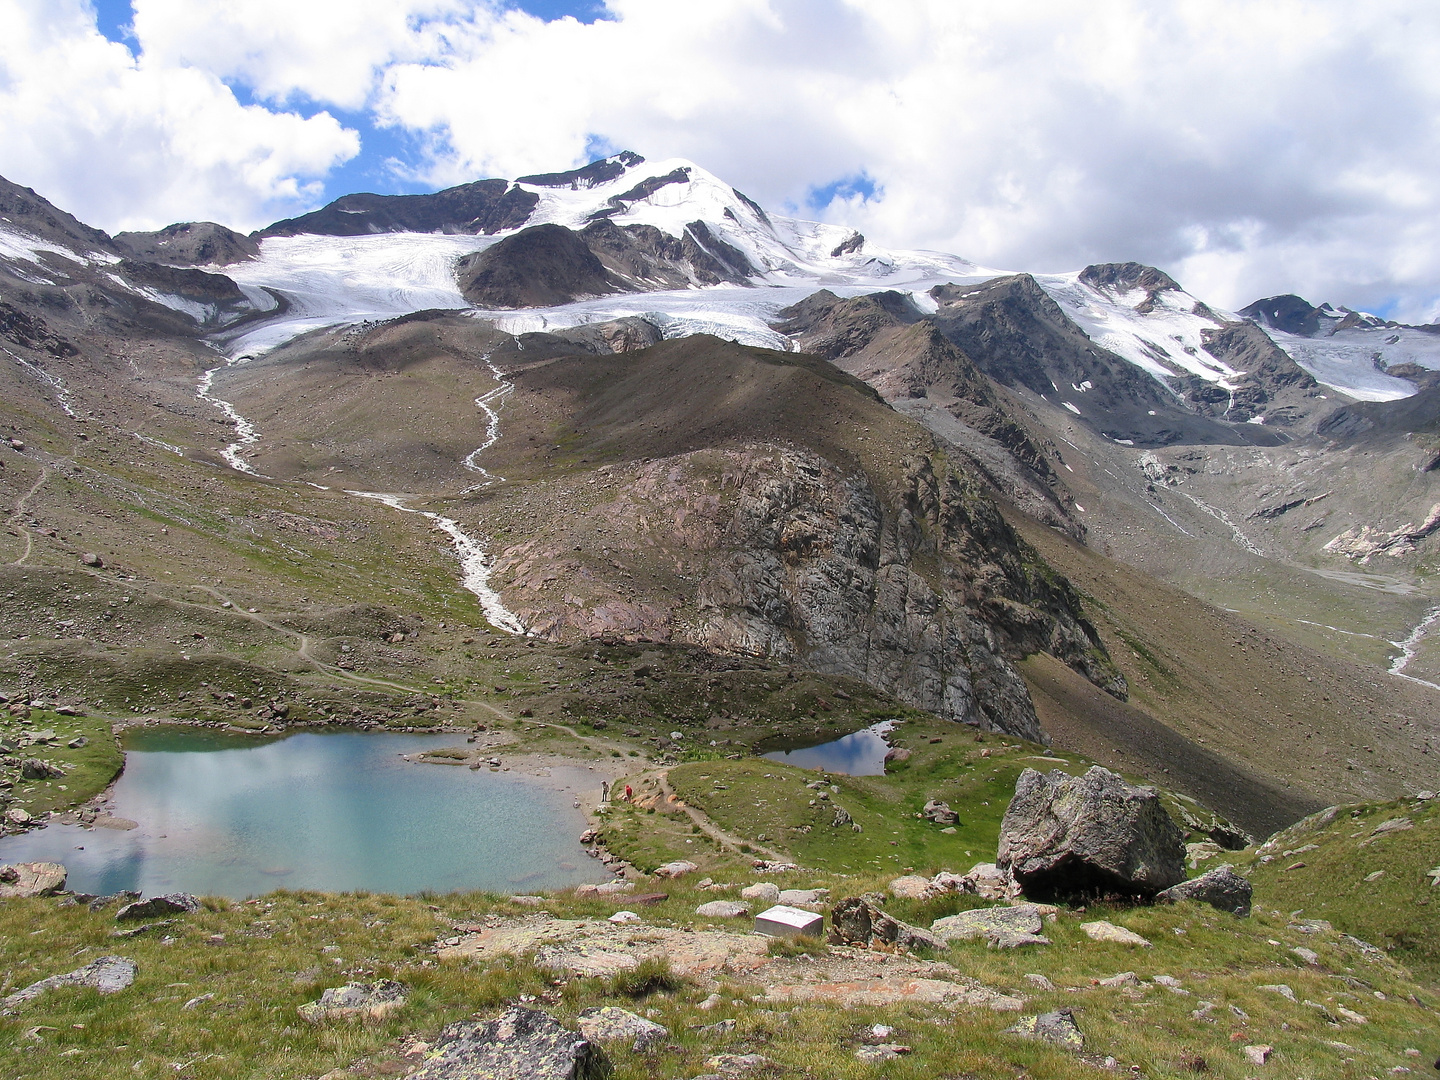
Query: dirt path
(20, 507)
(709, 828)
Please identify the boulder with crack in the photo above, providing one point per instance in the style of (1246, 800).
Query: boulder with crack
(1075, 837)
(26, 879)
(857, 921)
(1057, 1027)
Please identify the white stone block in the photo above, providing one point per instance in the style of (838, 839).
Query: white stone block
(784, 921)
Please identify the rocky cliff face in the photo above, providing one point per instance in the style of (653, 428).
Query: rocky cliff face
(775, 551)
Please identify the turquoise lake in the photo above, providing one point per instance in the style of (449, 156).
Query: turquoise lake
(238, 816)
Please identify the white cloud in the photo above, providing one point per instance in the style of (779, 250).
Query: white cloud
(1249, 146)
(125, 144)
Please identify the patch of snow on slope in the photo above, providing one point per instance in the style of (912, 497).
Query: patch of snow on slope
(1168, 340)
(20, 245)
(1346, 360)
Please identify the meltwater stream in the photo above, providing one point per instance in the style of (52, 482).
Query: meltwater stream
(475, 566)
(238, 816)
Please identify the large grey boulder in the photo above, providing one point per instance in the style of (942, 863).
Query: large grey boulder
(1221, 888)
(519, 1044)
(1075, 837)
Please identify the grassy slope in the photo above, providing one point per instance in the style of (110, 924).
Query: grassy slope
(262, 960)
(1399, 909)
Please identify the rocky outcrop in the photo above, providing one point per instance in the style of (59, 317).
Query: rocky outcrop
(485, 206)
(1123, 277)
(158, 906)
(606, 1023)
(108, 975)
(1072, 837)
(536, 267)
(791, 557)
(520, 1044)
(190, 243)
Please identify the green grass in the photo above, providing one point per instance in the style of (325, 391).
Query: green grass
(262, 960)
(89, 769)
(1399, 910)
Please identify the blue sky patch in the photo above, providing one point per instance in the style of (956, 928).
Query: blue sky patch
(846, 187)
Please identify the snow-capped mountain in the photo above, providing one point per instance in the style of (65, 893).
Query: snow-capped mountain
(669, 242)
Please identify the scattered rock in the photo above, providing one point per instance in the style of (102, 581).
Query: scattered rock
(1057, 1027)
(990, 924)
(1258, 1055)
(77, 742)
(606, 1023)
(874, 1055)
(1077, 836)
(1279, 988)
(605, 888)
(1040, 982)
(624, 917)
(530, 901)
(714, 1001)
(856, 921)
(940, 813)
(987, 881)
(1393, 825)
(732, 1064)
(156, 906)
(910, 887)
(109, 975)
(676, 869)
(804, 898)
(27, 879)
(1125, 978)
(1118, 935)
(520, 1044)
(723, 909)
(1308, 955)
(91, 559)
(717, 1030)
(356, 1001)
(763, 892)
(35, 769)
(896, 990)
(17, 816)
(1221, 888)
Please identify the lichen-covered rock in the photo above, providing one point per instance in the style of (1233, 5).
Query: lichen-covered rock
(356, 1001)
(1221, 888)
(520, 1044)
(159, 906)
(35, 769)
(1100, 930)
(762, 892)
(856, 921)
(108, 975)
(723, 909)
(606, 1023)
(1073, 837)
(990, 924)
(1057, 1027)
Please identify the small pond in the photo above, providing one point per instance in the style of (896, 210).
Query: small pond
(861, 753)
(238, 816)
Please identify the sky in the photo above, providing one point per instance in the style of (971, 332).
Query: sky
(1247, 147)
